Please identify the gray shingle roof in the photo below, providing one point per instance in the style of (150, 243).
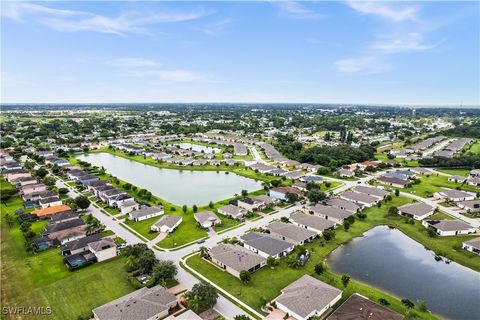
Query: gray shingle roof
(312, 221)
(102, 244)
(361, 197)
(142, 304)
(236, 257)
(169, 221)
(342, 203)
(371, 191)
(307, 295)
(474, 243)
(265, 243)
(417, 209)
(203, 216)
(290, 231)
(330, 211)
(449, 225)
(146, 211)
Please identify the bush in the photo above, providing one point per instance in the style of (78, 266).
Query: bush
(361, 216)
(384, 301)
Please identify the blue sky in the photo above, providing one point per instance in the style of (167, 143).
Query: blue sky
(322, 52)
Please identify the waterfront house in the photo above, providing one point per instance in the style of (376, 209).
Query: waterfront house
(280, 193)
(307, 297)
(472, 245)
(266, 245)
(143, 304)
(250, 204)
(146, 213)
(449, 227)
(232, 211)
(166, 224)
(358, 307)
(128, 206)
(207, 219)
(291, 233)
(235, 259)
(457, 179)
(79, 245)
(311, 222)
(417, 211)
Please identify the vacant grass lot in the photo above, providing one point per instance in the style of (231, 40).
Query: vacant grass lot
(455, 172)
(266, 283)
(42, 280)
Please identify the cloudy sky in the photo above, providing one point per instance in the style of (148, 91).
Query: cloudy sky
(338, 52)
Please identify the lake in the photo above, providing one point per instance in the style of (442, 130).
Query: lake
(197, 147)
(388, 259)
(176, 186)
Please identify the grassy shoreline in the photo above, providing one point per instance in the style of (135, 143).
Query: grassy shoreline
(267, 283)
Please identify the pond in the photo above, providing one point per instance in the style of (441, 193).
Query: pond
(197, 147)
(176, 186)
(388, 259)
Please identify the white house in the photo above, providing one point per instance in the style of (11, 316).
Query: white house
(417, 211)
(166, 224)
(449, 227)
(103, 249)
(472, 245)
(146, 213)
(454, 195)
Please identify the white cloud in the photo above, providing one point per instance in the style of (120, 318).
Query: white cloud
(133, 62)
(75, 21)
(215, 28)
(384, 10)
(296, 10)
(412, 42)
(364, 65)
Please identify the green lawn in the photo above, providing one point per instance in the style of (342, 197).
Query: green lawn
(474, 148)
(267, 283)
(43, 279)
(454, 172)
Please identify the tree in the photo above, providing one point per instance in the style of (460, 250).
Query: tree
(9, 219)
(361, 216)
(291, 197)
(82, 202)
(422, 306)
(407, 303)
(346, 225)
(392, 211)
(210, 205)
(432, 233)
(41, 172)
(316, 195)
(384, 301)
(203, 295)
(164, 270)
(324, 170)
(345, 280)
(245, 276)
(320, 268)
(203, 252)
(242, 317)
(271, 262)
(184, 208)
(62, 190)
(244, 193)
(328, 235)
(195, 208)
(397, 192)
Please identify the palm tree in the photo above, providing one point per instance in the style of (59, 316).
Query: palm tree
(203, 252)
(194, 303)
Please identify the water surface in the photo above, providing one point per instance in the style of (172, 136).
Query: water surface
(197, 147)
(391, 261)
(176, 186)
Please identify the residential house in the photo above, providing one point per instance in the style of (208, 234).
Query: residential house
(449, 227)
(344, 205)
(280, 193)
(472, 206)
(63, 216)
(417, 211)
(103, 249)
(117, 201)
(266, 245)
(50, 202)
(372, 191)
(66, 231)
(50, 211)
(472, 245)
(457, 179)
(454, 195)
(311, 222)
(250, 204)
(167, 224)
(235, 259)
(334, 214)
(207, 219)
(11, 175)
(110, 194)
(79, 245)
(345, 173)
(359, 198)
(291, 233)
(422, 171)
(146, 213)
(311, 178)
(358, 307)
(294, 175)
(128, 206)
(266, 200)
(307, 297)
(23, 181)
(76, 174)
(393, 181)
(232, 211)
(87, 179)
(143, 304)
